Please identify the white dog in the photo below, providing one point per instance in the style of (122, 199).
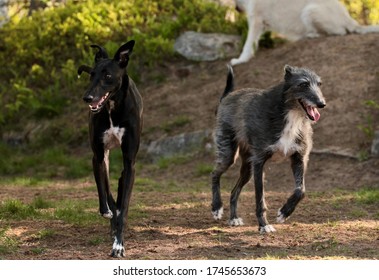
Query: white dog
(295, 20)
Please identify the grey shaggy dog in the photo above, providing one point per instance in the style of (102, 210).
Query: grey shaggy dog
(257, 124)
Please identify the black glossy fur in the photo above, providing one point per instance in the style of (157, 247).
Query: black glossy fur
(115, 120)
(256, 124)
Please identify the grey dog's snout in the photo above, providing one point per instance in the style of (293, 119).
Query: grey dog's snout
(321, 105)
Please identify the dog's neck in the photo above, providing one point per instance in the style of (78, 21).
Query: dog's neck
(121, 92)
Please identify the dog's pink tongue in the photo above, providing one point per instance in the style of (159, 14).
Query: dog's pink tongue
(312, 111)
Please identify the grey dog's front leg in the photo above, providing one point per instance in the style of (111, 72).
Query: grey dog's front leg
(298, 168)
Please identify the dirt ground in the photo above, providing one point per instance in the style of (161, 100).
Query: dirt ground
(175, 222)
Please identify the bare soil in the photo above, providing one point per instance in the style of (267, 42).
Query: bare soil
(174, 221)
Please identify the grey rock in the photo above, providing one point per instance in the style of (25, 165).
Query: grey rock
(207, 47)
(185, 143)
(375, 145)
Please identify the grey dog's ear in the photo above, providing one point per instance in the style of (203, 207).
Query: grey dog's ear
(288, 70)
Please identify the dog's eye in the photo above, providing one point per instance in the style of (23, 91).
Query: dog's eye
(319, 84)
(304, 85)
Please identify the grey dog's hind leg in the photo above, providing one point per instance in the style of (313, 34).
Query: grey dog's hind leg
(226, 149)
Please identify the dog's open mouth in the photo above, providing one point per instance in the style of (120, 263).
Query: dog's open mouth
(312, 112)
(97, 105)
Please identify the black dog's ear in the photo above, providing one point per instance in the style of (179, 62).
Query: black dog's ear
(288, 72)
(84, 68)
(123, 53)
(101, 53)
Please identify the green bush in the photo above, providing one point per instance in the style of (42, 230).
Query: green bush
(40, 54)
(364, 11)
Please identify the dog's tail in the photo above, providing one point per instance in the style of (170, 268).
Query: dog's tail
(229, 82)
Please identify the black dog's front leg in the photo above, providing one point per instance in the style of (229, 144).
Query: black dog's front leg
(298, 168)
(100, 169)
(125, 187)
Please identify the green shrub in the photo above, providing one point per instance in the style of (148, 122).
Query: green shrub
(42, 52)
(364, 11)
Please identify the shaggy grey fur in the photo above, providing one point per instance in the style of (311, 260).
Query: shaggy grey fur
(257, 124)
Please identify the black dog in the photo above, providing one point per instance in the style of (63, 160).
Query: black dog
(115, 120)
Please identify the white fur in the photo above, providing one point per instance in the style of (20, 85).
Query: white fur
(217, 215)
(112, 137)
(280, 218)
(267, 229)
(286, 143)
(295, 20)
(117, 247)
(108, 215)
(236, 222)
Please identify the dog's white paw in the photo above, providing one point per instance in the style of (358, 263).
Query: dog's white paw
(217, 215)
(108, 215)
(280, 218)
(236, 222)
(118, 250)
(236, 61)
(267, 229)
(242, 59)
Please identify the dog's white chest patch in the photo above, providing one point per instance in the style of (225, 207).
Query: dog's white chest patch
(292, 129)
(112, 137)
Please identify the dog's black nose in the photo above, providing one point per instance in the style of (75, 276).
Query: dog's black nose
(321, 105)
(88, 98)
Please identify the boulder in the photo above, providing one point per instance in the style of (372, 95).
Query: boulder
(207, 47)
(185, 143)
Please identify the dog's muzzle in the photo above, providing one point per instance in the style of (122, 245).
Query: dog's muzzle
(96, 105)
(311, 110)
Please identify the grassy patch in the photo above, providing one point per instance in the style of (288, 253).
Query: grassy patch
(165, 162)
(178, 122)
(358, 213)
(14, 209)
(97, 240)
(203, 169)
(76, 215)
(41, 203)
(52, 162)
(7, 243)
(45, 233)
(37, 251)
(368, 195)
(146, 185)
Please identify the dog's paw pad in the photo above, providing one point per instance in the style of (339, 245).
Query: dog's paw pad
(280, 218)
(108, 215)
(236, 222)
(217, 215)
(266, 229)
